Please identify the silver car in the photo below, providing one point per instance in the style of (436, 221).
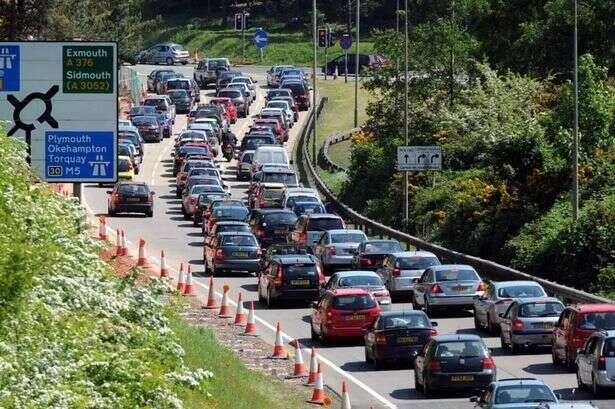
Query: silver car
(497, 298)
(367, 280)
(165, 53)
(596, 362)
(529, 322)
(272, 74)
(401, 270)
(447, 285)
(336, 248)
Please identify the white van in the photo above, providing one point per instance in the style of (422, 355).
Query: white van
(269, 154)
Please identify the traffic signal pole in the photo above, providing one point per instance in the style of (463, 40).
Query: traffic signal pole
(326, 49)
(243, 35)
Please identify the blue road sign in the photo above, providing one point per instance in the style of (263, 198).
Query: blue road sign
(346, 41)
(80, 156)
(9, 68)
(260, 39)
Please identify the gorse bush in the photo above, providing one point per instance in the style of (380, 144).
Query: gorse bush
(72, 335)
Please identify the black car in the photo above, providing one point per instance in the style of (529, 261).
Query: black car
(149, 128)
(397, 336)
(365, 61)
(130, 197)
(232, 252)
(290, 277)
(226, 226)
(203, 201)
(225, 78)
(182, 99)
(251, 142)
(182, 154)
(301, 94)
(233, 212)
(271, 226)
(370, 253)
(457, 362)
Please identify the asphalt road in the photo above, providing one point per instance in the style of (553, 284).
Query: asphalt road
(182, 242)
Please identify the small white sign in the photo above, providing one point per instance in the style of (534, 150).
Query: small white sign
(411, 158)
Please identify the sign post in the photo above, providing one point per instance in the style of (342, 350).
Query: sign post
(346, 43)
(71, 131)
(260, 41)
(419, 158)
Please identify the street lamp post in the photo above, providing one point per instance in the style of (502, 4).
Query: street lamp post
(356, 69)
(314, 92)
(406, 119)
(575, 153)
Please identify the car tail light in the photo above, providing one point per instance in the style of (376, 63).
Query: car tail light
(488, 363)
(366, 261)
(279, 276)
(503, 300)
(481, 287)
(116, 198)
(219, 254)
(435, 289)
(150, 197)
(396, 272)
(330, 250)
(434, 365)
(518, 324)
(433, 332)
(381, 339)
(602, 363)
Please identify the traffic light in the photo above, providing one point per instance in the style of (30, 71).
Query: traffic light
(246, 21)
(238, 21)
(322, 37)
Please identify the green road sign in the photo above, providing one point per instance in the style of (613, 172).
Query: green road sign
(87, 69)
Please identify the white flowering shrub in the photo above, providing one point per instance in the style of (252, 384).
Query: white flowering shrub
(71, 334)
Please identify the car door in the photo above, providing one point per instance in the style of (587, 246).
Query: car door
(319, 248)
(370, 336)
(583, 361)
(319, 313)
(506, 321)
(559, 333)
(421, 286)
(482, 304)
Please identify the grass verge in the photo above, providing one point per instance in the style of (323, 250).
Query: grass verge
(233, 385)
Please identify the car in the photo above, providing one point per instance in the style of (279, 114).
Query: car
(165, 77)
(184, 151)
(400, 271)
(135, 139)
(370, 253)
(224, 78)
(309, 228)
(234, 212)
(190, 200)
(129, 151)
(596, 362)
(275, 127)
(168, 53)
(515, 392)
(367, 280)
(301, 208)
(249, 82)
(273, 72)
(215, 111)
(201, 180)
(447, 285)
(342, 313)
(267, 195)
(251, 142)
(149, 128)
(165, 124)
(529, 322)
(285, 107)
(244, 164)
(301, 94)
(498, 296)
(162, 103)
(290, 277)
(349, 61)
(188, 85)
(285, 121)
(215, 203)
(282, 249)
(125, 168)
(336, 247)
(232, 252)
(277, 174)
(294, 195)
(247, 94)
(206, 71)
(230, 108)
(203, 201)
(130, 197)
(575, 325)
(453, 362)
(181, 99)
(226, 226)
(238, 98)
(155, 76)
(271, 226)
(182, 174)
(396, 336)
(139, 110)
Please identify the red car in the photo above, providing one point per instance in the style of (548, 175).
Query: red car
(575, 325)
(227, 103)
(343, 313)
(277, 128)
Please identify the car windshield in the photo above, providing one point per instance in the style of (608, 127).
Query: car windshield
(272, 194)
(129, 137)
(278, 93)
(144, 120)
(406, 321)
(456, 275)
(280, 218)
(198, 189)
(215, 64)
(203, 171)
(308, 199)
(523, 393)
(276, 177)
(277, 104)
(159, 103)
(230, 212)
(353, 302)
(207, 198)
(123, 165)
(247, 158)
(347, 237)
(142, 110)
(240, 240)
(360, 281)
(540, 309)
(521, 291)
(299, 270)
(381, 247)
(192, 150)
(229, 93)
(309, 208)
(461, 349)
(597, 320)
(322, 224)
(417, 263)
(289, 249)
(133, 189)
(178, 93)
(178, 47)
(253, 142)
(297, 89)
(233, 227)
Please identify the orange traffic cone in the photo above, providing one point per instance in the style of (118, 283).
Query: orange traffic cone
(240, 317)
(345, 397)
(188, 288)
(211, 299)
(164, 271)
(225, 310)
(180, 280)
(313, 369)
(142, 261)
(118, 242)
(318, 396)
(299, 370)
(124, 245)
(102, 228)
(251, 325)
(278, 350)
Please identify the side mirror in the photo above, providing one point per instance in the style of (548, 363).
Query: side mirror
(474, 399)
(434, 324)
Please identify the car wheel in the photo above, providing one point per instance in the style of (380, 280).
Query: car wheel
(150, 213)
(515, 348)
(178, 194)
(415, 304)
(184, 62)
(170, 61)
(270, 301)
(417, 385)
(477, 325)
(596, 389)
(111, 212)
(195, 223)
(378, 364)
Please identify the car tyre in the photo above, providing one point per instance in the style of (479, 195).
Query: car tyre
(150, 213)
(515, 348)
(367, 358)
(429, 310)
(569, 362)
(270, 301)
(493, 330)
(417, 385)
(427, 391)
(170, 61)
(111, 212)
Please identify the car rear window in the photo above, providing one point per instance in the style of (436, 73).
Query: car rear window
(142, 110)
(309, 208)
(597, 320)
(416, 263)
(290, 249)
(280, 218)
(272, 194)
(297, 89)
(144, 120)
(206, 198)
(247, 158)
(230, 93)
(178, 85)
(239, 240)
(159, 103)
(360, 281)
(322, 224)
(233, 227)
(540, 309)
(609, 347)
(133, 189)
(347, 238)
(178, 93)
(461, 349)
(277, 177)
(252, 143)
(198, 189)
(277, 93)
(123, 165)
(381, 247)
(230, 212)
(204, 171)
(456, 275)
(123, 150)
(192, 150)
(299, 270)
(353, 302)
(511, 394)
(406, 321)
(520, 291)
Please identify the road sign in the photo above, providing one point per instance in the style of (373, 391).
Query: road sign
(419, 158)
(61, 98)
(346, 41)
(260, 39)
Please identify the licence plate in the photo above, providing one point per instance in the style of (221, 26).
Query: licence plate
(407, 340)
(460, 289)
(462, 378)
(356, 317)
(300, 282)
(240, 254)
(133, 199)
(544, 325)
(279, 231)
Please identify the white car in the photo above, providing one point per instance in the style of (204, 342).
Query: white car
(299, 194)
(249, 82)
(286, 109)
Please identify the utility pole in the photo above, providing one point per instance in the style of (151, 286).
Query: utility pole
(314, 91)
(451, 79)
(406, 87)
(356, 72)
(397, 31)
(575, 154)
(243, 35)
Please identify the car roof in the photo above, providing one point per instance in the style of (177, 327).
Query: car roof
(518, 381)
(452, 267)
(400, 254)
(349, 291)
(235, 233)
(355, 273)
(322, 216)
(402, 312)
(512, 283)
(294, 258)
(457, 337)
(342, 231)
(593, 307)
(529, 300)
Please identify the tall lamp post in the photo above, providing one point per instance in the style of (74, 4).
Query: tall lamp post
(406, 88)
(314, 91)
(575, 131)
(356, 69)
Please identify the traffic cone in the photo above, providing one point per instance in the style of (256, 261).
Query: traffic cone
(164, 271)
(225, 310)
(211, 299)
(299, 370)
(318, 396)
(313, 369)
(124, 245)
(251, 325)
(180, 280)
(188, 288)
(102, 228)
(345, 397)
(142, 261)
(118, 242)
(278, 350)
(240, 317)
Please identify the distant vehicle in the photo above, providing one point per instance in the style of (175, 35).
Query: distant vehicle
(141, 111)
(310, 227)
(596, 363)
(162, 103)
(229, 107)
(149, 128)
(515, 393)
(301, 94)
(370, 253)
(186, 84)
(129, 150)
(233, 252)
(271, 226)
(244, 164)
(301, 208)
(130, 197)
(273, 72)
(365, 61)
(226, 77)
(181, 99)
(401, 271)
(125, 168)
(206, 72)
(233, 212)
(336, 247)
(203, 201)
(155, 76)
(167, 53)
(238, 98)
(282, 249)
(367, 280)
